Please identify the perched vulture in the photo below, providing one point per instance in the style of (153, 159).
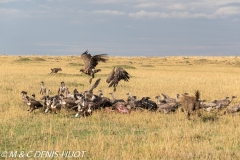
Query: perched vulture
(116, 75)
(43, 89)
(91, 62)
(62, 88)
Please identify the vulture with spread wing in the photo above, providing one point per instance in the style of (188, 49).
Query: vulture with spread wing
(91, 62)
(116, 75)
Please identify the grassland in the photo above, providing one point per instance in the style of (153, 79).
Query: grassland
(140, 135)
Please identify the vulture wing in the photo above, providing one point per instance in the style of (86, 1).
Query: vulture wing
(97, 58)
(95, 85)
(165, 96)
(120, 74)
(111, 76)
(86, 59)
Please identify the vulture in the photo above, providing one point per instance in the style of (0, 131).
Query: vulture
(55, 70)
(90, 62)
(43, 89)
(88, 94)
(117, 75)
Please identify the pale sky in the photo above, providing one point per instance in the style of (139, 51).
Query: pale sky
(120, 27)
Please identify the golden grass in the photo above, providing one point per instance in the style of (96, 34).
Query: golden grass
(140, 135)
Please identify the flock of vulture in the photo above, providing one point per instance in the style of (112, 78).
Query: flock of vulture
(85, 102)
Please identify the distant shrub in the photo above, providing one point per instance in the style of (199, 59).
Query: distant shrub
(74, 84)
(101, 75)
(147, 66)
(201, 60)
(38, 59)
(75, 64)
(125, 66)
(237, 64)
(64, 75)
(23, 60)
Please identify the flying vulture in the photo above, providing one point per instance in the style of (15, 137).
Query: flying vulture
(116, 75)
(91, 62)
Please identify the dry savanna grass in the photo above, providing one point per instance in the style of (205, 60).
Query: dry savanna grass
(139, 135)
